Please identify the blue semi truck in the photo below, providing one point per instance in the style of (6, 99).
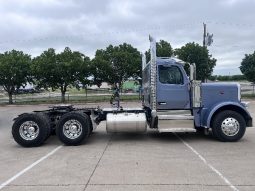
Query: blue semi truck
(172, 102)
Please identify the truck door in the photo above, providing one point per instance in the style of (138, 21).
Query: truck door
(172, 88)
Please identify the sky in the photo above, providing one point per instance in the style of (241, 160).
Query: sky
(87, 25)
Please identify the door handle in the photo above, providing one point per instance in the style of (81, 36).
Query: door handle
(162, 103)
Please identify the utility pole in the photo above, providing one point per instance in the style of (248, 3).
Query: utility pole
(207, 37)
(204, 43)
(204, 35)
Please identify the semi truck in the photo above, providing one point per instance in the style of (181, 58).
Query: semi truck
(172, 101)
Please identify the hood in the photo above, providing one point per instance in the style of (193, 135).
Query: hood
(217, 92)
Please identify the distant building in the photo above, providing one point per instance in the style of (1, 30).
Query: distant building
(131, 86)
(103, 86)
(127, 86)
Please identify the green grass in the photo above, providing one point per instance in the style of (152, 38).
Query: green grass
(71, 99)
(248, 96)
(74, 91)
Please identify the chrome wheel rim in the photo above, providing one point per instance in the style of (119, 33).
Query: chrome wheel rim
(230, 126)
(72, 129)
(29, 130)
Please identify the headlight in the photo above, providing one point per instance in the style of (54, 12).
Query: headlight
(245, 104)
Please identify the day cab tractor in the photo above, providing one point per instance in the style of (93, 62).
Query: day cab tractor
(172, 102)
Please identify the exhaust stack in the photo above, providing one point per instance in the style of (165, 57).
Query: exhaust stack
(153, 74)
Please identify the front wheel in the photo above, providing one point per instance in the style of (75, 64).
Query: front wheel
(228, 126)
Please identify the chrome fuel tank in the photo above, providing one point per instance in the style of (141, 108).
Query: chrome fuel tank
(126, 122)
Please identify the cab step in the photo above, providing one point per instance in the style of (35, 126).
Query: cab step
(173, 112)
(175, 122)
(176, 130)
(175, 117)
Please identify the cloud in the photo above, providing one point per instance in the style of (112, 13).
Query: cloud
(88, 25)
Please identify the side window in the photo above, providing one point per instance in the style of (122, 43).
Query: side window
(170, 75)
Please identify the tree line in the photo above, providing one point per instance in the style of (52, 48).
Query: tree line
(113, 65)
(238, 77)
(247, 68)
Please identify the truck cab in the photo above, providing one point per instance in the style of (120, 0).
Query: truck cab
(173, 85)
(176, 102)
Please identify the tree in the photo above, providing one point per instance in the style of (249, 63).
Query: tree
(58, 71)
(248, 67)
(164, 49)
(100, 70)
(14, 71)
(194, 53)
(116, 64)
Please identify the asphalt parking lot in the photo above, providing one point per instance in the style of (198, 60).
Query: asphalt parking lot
(119, 162)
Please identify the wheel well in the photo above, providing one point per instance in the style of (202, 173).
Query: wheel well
(232, 108)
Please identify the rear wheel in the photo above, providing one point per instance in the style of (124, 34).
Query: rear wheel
(228, 126)
(31, 129)
(73, 128)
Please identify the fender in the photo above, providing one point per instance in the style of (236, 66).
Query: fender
(223, 104)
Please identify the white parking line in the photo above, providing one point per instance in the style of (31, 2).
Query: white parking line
(29, 167)
(208, 164)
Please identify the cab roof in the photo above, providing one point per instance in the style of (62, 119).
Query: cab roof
(172, 60)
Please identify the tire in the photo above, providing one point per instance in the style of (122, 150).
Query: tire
(89, 121)
(228, 126)
(73, 128)
(47, 120)
(39, 132)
